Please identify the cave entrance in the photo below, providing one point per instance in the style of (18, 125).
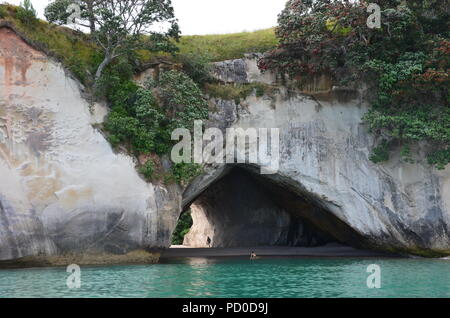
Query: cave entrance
(245, 209)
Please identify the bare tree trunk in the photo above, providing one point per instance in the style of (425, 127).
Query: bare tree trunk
(108, 59)
(90, 9)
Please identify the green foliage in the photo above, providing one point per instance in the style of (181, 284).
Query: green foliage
(128, 130)
(116, 84)
(405, 62)
(183, 173)
(3, 12)
(147, 170)
(406, 153)
(380, 153)
(26, 13)
(78, 68)
(124, 94)
(411, 104)
(183, 226)
(72, 48)
(182, 99)
(334, 27)
(147, 109)
(196, 50)
(129, 120)
(149, 114)
(220, 47)
(440, 158)
(197, 66)
(142, 119)
(260, 90)
(125, 129)
(121, 27)
(81, 55)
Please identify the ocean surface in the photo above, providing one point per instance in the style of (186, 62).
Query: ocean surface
(236, 278)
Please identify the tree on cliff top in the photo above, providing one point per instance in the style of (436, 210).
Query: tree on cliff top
(26, 12)
(120, 27)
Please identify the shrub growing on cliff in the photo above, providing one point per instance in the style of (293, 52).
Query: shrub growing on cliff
(183, 173)
(406, 62)
(129, 131)
(184, 103)
(3, 12)
(129, 122)
(182, 98)
(183, 226)
(147, 170)
(197, 67)
(143, 118)
(26, 13)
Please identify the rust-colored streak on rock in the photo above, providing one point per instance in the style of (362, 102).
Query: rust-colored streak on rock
(22, 66)
(8, 65)
(16, 57)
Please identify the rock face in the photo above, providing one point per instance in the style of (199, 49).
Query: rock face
(325, 150)
(241, 71)
(62, 188)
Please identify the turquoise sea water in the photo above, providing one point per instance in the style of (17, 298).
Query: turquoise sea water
(235, 278)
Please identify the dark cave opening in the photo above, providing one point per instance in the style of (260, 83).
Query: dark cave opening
(245, 209)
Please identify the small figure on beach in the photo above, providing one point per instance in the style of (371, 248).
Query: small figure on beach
(208, 241)
(253, 255)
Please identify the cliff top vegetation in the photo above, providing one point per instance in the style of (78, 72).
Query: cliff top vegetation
(81, 56)
(404, 61)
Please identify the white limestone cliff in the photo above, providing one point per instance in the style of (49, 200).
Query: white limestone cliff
(325, 149)
(63, 189)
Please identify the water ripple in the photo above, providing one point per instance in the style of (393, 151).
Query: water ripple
(292, 278)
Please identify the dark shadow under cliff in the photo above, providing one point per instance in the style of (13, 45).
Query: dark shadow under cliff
(243, 208)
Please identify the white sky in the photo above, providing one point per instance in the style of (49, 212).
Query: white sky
(213, 16)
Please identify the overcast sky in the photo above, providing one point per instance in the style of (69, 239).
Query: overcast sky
(214, 16)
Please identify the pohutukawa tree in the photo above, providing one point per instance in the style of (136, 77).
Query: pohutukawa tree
(405, 63)
(120, 27)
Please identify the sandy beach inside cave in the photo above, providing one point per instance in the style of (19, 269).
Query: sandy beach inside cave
(330, 250)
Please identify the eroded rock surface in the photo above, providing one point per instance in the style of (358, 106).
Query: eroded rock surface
(62, 188)
(242, 71)
(325, 148)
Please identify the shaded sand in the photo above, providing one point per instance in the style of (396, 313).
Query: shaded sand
(330, 250)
